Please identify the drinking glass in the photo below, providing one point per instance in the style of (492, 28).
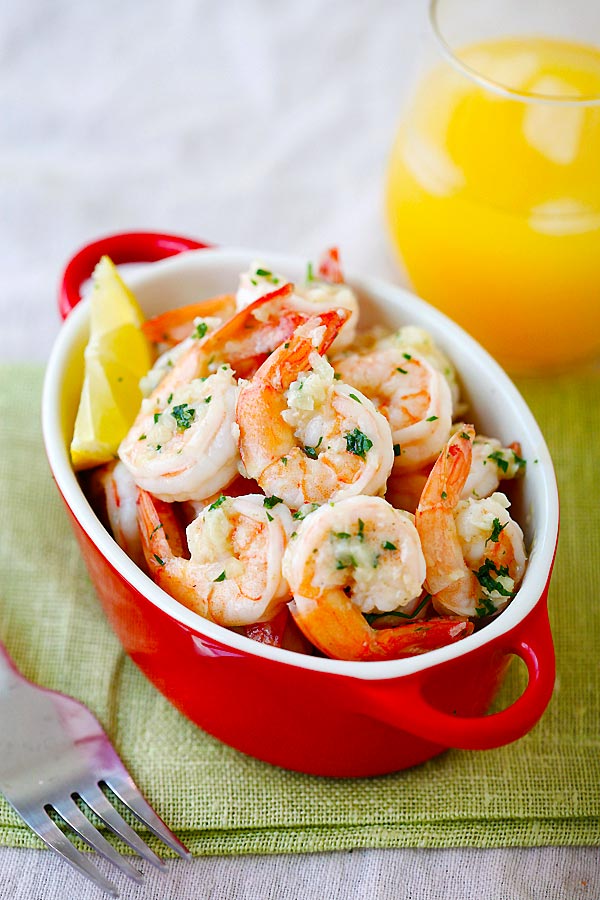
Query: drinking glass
(493, 188)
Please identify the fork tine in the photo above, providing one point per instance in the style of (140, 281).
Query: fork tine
(70, 812)
(124, 787)
(98, 803)
(50, 833)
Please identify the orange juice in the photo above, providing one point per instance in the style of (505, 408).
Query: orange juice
(493, 198)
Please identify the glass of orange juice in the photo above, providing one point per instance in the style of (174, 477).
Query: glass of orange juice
(493, 189)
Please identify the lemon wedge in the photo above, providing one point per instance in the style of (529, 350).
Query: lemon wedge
(116, 357)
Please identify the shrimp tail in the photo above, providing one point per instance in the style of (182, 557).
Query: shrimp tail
(287, 362)
(248, 338)
(447, 478)
(330, 268)
(163, 538)
(419, 637)
(453, 586)
(339, 630)
(175, 325)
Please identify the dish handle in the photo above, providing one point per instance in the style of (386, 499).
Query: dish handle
(411, 708)
(124, 247)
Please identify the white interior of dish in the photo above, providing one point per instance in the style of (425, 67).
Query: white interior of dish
(495, 407)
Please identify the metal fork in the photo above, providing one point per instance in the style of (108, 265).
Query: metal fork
(54, 751)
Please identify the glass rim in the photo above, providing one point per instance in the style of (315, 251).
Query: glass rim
(489, 83)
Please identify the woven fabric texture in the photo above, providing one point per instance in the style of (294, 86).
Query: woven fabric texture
(544, 789)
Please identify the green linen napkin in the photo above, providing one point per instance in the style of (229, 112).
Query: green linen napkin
(544, 789)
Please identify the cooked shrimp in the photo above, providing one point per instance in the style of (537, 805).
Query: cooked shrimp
(114, 493)
(182, 445)
(304, 436)
(475, 557)
(412, 339)
(412, 394)
(233, 576)
(493, 547)
(174, 325)
(246, 340)
(316, 295)
(491, 463)
(166, 361)
(357, 556)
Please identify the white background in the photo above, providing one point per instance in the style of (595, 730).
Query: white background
(265, 124)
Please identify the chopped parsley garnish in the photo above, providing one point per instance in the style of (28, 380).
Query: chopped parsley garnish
(387, 545)
(397, 450)
(169, 398)
(200, 330)
(407, 356)
(142, 437)
(372, 617)
(486, 607)
(432, 418)
(342, 535)
(220, 577)
(218, 502)
(499, 460)
(309, 272)
(496, 529)
(485, 579)
(346, 562)
(270, 502)
(183, 415)
(284, 460)
(208, 399)
(303, 513)
(336, 376)
(311, 452)
(157, 417)
(154, 530)
(269, 517)
(444, 495)
(402, 371)
(358, 443)
(354, 397)
(467, 437)
(361, 530)
(264, 273)
(519, 461)
(286, 345)
(160, 561)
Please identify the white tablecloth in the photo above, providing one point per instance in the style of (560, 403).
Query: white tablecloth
(250, 123)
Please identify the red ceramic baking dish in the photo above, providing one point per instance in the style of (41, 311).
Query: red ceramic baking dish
(311, 714)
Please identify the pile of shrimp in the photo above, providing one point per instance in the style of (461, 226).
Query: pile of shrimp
(312, 487)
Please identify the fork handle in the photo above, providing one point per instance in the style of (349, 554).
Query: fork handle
(9, 674)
